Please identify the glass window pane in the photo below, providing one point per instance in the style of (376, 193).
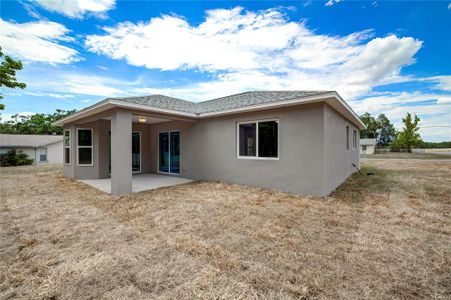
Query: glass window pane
(66, 138)
(347, 137)
(84, 137)
(267, 139)
(164, 152)
(175, 152)
(85, 156)
(67, 155)
(247, 139)
(136, 159)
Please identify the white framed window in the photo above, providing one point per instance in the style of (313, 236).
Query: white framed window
(347, 137)
(42, 154)
(354, 139)
(258, 139)
(364, 147)
(67, 144)
(84, 147)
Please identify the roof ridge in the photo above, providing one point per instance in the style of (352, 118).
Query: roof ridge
(242, 93)
(144, 96)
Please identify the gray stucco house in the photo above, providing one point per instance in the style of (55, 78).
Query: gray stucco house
(304, 142)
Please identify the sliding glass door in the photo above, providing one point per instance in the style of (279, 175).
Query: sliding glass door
(169, 152)
(136, 152)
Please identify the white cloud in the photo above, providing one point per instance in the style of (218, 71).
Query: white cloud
(37, 41)
(51, 95)
(449, 5)
(245, 50)
(332, 2)
(91, 85)
(442, 82)
(5, 117)
(77, 8)
(444, 100)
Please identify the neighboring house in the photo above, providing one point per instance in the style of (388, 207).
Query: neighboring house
(367, 146)
(40, 148)
(304, 142)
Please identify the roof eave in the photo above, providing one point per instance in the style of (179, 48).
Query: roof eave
(112, 103)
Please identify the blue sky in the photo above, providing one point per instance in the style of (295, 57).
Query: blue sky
(387, 57)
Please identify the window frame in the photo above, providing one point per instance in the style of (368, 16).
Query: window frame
(347, 138)
(40, 154)
(67, 147)
(92, 149)
(257, 157)
(354, 139)
(140, 152)
(158, 152)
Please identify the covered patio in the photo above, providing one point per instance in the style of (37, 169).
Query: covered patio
(140, 182)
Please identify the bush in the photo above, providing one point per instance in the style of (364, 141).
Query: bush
(11, 158)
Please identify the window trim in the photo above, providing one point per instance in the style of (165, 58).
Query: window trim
(65, 147)
(92, 149)
(354, 139)
(347, 138)
(256, 157)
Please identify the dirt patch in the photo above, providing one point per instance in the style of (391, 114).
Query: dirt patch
(381, 236)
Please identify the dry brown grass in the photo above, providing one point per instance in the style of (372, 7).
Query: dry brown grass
(382, 236)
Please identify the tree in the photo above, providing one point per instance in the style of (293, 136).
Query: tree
(409, 136)
(386, 132)
(371, 126)
(35, 124)
(8, 69)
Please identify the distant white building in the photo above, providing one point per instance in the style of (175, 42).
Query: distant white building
(367, 146)
(40, 148)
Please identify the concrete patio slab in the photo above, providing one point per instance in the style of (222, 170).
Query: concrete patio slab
(140, 182)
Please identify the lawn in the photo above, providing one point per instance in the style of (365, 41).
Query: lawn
(405, 155)
(385, 236)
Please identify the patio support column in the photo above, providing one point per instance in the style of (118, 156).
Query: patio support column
(121, 152)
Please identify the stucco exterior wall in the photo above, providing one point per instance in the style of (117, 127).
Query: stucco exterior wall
(212, 148)
(313, 159)
(338, 160)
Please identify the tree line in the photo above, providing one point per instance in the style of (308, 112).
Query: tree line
(381, 129)
(35, 124)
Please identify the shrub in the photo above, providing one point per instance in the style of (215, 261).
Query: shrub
(12, 158)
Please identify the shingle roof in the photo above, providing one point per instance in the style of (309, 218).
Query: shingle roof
(160, 101)
(224, 105)
(28, 140)
(219, 104)
(252, 98)
(367, 141)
